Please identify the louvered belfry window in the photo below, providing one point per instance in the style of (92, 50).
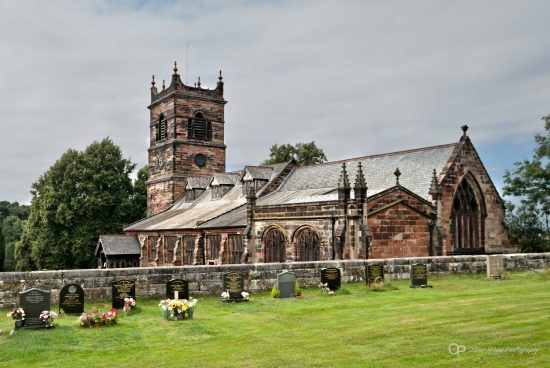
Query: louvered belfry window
(199, 127)
(162, 127)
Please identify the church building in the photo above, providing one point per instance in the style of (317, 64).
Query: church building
(436, 200)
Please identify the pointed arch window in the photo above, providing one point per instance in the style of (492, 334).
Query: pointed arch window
(274, 245)
(199, 127)
(468, 219)
(308, 246)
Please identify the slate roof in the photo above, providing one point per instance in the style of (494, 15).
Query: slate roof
(198, 182)
(315, 183)
(226, 178)
(184, 215)
(115, 245)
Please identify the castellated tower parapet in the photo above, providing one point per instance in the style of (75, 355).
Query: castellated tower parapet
(186, 138)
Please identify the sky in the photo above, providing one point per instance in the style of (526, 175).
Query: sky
(357, 77)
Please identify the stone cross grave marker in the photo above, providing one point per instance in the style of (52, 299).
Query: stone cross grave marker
(71, 299)
(122, 289)
(419, 276)
(374, 274)
(179, 285)
(233, 283)
(332, 277)
(286, 283)
(34, 302)
(495, 267)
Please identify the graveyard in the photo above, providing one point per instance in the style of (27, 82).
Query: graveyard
(461, 320)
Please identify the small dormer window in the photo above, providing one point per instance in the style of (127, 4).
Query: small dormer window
(199, 127)
(216, 192)
(259, 183)
(161, 128)
(247, 184)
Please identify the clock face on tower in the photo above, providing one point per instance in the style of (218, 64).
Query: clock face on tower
(200, 160)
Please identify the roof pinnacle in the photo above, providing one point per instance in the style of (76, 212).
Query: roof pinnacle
(397, 174)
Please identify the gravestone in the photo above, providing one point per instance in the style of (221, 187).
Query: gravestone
(374, 274)
(332, 277)
(34, 302)
(179, 285)
(286, 283)
(495, 267)
(122, 289)
(419, 276)
(233, 283)
(71, 299)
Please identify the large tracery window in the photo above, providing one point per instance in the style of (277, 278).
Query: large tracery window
(199, 128)
(213, 244)
(152, 245)
(274, 245)
(308, 246)
(467, 220)
(170, 242)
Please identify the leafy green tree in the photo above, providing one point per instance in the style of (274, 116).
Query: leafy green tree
(303, 153)
(11, 228)
(84, 194)
(2, 250)
(528, 223)
(527, 229)
(138, 200)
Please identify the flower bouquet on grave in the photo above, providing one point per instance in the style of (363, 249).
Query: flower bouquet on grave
(47, 317)
(176, 309)
(18, 314)
(129, 305)
(98, 319)
(325, 289)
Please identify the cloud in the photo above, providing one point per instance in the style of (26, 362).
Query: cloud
(358, 77)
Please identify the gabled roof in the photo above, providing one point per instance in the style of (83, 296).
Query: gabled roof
(226, 178)
(115, 245)
(198, 182)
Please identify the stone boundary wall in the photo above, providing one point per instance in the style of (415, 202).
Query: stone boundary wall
(150, 281)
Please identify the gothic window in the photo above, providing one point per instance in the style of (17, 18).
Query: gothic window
(188, 249)
(199, 128)
(235, 248)
(213, 243)
(274, 245)
(308, 246)
(170, 242)
(161, 128)
(467, 220)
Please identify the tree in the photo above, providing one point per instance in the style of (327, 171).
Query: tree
(84, 194)
(12, 211)
(11, 228)
(138, 200)
(303, 153)
(528, 223)
(2, 250)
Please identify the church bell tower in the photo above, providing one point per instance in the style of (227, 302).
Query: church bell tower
(186, 138)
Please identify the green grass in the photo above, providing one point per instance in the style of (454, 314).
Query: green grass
(356, 328)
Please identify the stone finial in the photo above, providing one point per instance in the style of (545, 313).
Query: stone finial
(163, 85)
(435, 188)
(175, 68)
(360, 177)
(397, 174)
(153, 81)
(220, 76)
(464, 130)
(343, 183)
(199, 82)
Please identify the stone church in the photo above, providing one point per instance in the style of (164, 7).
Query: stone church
(436, 200)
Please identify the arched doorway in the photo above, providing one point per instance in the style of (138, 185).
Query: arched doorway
(468, 218)
(274, 245)
(308, 245)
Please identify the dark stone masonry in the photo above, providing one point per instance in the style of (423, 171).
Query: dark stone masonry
(151, 281)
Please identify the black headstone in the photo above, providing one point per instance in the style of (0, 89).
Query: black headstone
(233, 283)
(34, 302)
(179, 285)
(122, 289)
(286, 283)
(374, 274)
(332, 277)
(419, 275)
(71, 299)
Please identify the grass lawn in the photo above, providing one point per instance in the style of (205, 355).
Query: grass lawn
(399, 328)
